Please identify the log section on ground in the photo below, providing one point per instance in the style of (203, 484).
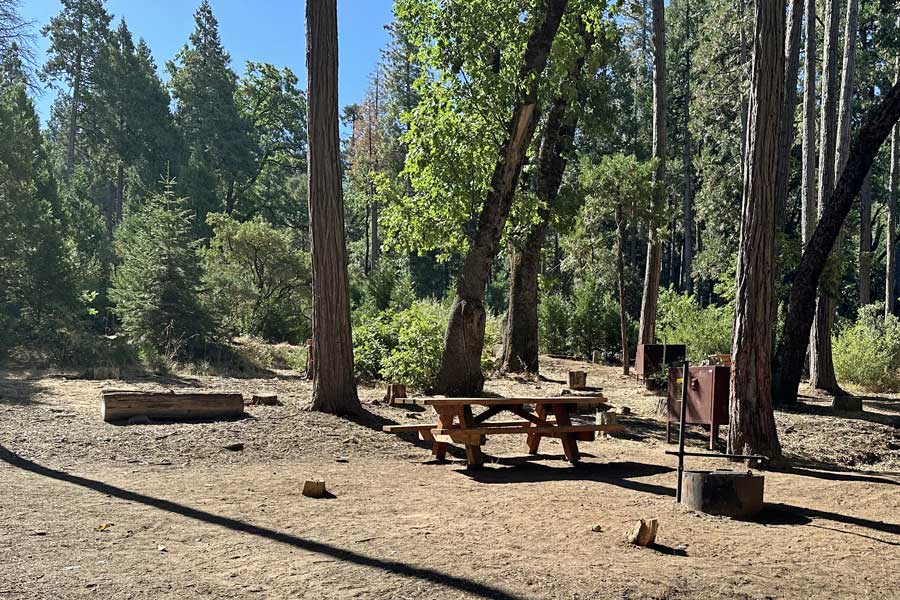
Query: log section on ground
(120, 405)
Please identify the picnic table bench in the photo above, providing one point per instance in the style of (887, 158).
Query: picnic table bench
(458, 424)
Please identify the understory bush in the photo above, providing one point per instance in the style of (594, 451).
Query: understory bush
(579, 326)
(681, 320)
(405, 345)
(867, 352)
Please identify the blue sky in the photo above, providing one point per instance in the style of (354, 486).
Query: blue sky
(259, 30)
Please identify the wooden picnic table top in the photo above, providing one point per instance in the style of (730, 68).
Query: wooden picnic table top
(437, 402)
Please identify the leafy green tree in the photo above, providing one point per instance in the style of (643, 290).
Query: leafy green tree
(271, 102)
(207, 114)
(156, 287)
(257, 280)
(79, 38)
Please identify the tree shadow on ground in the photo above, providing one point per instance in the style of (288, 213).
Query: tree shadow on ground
(527, 470)
(19, 391)
(788, 514)
(394, 567)
(807, 408)
(831, 472)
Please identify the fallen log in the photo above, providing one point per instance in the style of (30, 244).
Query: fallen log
(120, 405)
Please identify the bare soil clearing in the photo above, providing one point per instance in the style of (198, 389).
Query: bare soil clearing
(167, 510)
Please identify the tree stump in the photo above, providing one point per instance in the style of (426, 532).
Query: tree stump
(606, 418)
(394, 392)
(263, 399)
(644, 532)
(314, 488)
(725, 493)
(596, 357)
(577, 380)
(847, 404)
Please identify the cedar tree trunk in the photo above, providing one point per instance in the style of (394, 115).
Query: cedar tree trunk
(334, 387)
(752, 425)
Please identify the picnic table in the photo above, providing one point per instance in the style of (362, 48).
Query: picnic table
(457, 423)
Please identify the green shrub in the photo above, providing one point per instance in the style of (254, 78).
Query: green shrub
(553, 324)
(257, 280)
(416, 360)
(705, 331)
(867, 352)
(374, 339)
(595, 321)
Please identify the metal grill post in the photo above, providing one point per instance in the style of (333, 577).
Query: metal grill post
(681, 419)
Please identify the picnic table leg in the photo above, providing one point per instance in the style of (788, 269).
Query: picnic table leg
(445, 421)
(534, 439)
(570, 445)
(473, 451)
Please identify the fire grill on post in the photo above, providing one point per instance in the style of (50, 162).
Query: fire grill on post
(707, 399)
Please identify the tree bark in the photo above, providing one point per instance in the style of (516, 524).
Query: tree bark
(334, 387)
(464, 340)
(808, 185)
(786, 134)
(520, 336)
(890, 261)
(865, 241)
(687, 208)
(650, 298)
(821, 367)
(801, 308)
(752, 424)
(620, 275)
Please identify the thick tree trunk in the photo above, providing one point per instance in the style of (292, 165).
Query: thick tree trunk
(786, 135)
(520, 336)
(752, 424)
(821, 367)
(808, 191)
(865, 241)
(742, 58)
(334, 387)
(464, 340)
(801, 307)
(687, 204)
(650, 299)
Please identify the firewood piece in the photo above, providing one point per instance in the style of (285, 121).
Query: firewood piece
(644, 532)
(264, 399)
(577, 380)
(314, 488)
(395, 391)
(121, 405)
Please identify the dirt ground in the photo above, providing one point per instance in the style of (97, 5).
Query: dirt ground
(93, 510)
